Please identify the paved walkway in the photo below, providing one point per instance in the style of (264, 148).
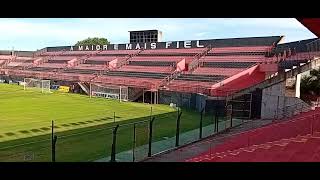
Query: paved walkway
(183, 153)
(141, 152)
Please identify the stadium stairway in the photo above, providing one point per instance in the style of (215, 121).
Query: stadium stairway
(297, 149)
(84, 87)
(186, 152)
(281, 76)
(305, 125)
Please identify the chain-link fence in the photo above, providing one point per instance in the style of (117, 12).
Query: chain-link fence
(131, 141)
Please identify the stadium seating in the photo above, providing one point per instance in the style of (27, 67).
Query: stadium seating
(137, 74)
(218, 71)
(231, 50)
(152, 63)
(296, 149)
(173, 52)
(159, 69)
(233, 58)
(142, 57)
(262, 144)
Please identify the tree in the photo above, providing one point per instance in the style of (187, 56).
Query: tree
(92, 41)
(310, 85)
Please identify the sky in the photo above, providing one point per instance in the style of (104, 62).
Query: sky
(32, 34)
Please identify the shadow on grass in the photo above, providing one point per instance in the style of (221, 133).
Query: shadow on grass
(76, 124)
(94, 142)
(10, 134)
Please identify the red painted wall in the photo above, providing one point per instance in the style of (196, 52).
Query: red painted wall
(239, 81)
(181, 66)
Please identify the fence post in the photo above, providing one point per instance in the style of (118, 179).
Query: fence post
(231, 116)
(53, 143)
(114, 140)
(217, 121)
(150, 136)
(178, 128)
(312, 123)
(214, 122)
(278, 101)
(200, 128)
(214, 115)
(134, 142)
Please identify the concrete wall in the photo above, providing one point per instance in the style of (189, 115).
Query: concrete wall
(4, 52)
(275, 103)
(24, 53)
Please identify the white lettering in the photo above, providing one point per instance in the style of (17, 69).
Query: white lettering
(105, 47)
(137, 46)
(153, 45)
(145, 45)
(92, 47)
(97, 47)
(168, 44)
(115, 47)
(87, 48)
(177, 44)
(71, 48)
(128, 46)
(198, 44)
(187, 44)
(80, 48)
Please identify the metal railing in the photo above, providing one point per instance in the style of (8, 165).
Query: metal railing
(119, 141)
(291, 110)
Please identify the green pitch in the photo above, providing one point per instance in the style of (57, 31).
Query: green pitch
(83, 124)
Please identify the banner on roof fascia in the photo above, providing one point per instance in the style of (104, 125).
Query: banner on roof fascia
(232, 42)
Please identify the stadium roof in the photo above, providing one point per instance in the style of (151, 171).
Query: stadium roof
(299, 46)
(313, 24)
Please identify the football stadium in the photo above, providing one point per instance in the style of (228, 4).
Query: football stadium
(210, 100)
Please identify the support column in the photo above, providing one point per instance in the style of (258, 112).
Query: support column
(158, 97)
(297, 86)
(143, 95)
(155, 97)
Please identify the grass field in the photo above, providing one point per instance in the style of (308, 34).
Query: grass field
(83, 124)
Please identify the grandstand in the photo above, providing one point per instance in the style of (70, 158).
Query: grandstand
(203, 67)
(237, 78)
